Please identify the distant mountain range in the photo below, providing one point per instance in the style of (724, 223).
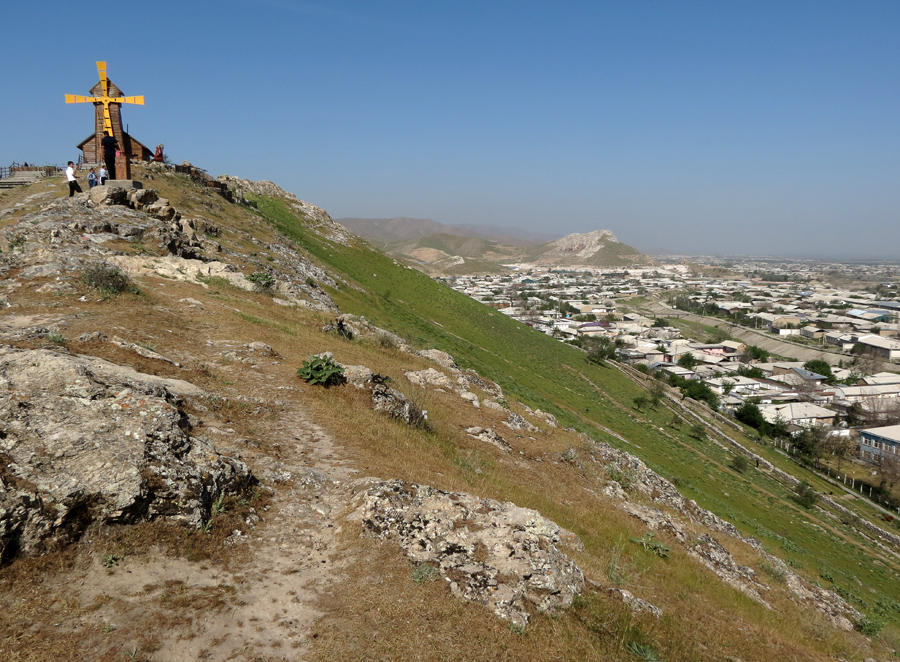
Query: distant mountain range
(438, 248)
(389, 230)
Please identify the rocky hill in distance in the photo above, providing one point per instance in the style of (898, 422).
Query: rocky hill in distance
(440, 249)
(231, 430)
(599, 248)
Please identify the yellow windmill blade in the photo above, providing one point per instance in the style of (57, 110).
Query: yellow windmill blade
(139, 101)
(101, 71)
(104, 84)
(75, 98)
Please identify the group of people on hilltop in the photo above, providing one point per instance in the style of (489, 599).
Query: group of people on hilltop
(110, 145)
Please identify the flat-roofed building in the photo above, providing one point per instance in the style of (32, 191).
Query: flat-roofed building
(876, 443)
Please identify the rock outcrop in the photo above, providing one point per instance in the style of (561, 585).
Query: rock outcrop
(638, 478)
(497, 554)
(83, 441)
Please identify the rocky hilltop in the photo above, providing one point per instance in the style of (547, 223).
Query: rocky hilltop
(208, 451)
(440, 249)
(597, 248)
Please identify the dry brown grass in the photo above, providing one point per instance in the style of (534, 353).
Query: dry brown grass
(376, 612)
(388, 616)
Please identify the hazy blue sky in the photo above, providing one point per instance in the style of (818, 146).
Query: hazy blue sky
(688, 127)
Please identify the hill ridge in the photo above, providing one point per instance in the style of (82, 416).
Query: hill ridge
(234, 299)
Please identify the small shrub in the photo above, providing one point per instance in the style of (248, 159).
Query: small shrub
(740, 464)
(827, 576)
(643, 652)
(386, 340)
(640, 402)
(870, 626)
(107, 279)
(698, 432)
(805, 495)
(321, 370)
(261, 280)
(311, 282)
(109, 560)
(623, 478)
(621, 569)
(424, 573)
(648, 543)
(775, 573)
(569, 456)
(56, 338)
(642, 367)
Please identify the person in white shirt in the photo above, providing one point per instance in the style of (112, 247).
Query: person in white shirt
(73, 183)
(103, 176)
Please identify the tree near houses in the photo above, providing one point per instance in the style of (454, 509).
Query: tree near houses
(841, 447)
(749, 414)
(888, 472)
(656, 393)
(820, 367)
(754, 353)
(811, 442)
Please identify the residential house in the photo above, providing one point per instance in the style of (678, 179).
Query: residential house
(882, 347)
(876, 443)
(802, 414)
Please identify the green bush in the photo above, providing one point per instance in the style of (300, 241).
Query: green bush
(870, 626)
(321, 370)
(806, 496)
(740, 464)
(107, 279)
(261, 280)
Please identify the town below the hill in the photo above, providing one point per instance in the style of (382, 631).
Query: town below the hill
(805, 352)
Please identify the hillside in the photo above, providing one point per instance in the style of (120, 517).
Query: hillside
(171, 489)
(439, 249)
(391, 230)
(599, 248)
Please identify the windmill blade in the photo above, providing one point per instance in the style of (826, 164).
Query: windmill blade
(104, 83)
(74, 98)
(135, 100)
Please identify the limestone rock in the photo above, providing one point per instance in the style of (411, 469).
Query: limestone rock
(443, 359)
(493, 553)
(358, 375)
(469, 379)
(108, 195)
(490, 437)
(396, 405)
(517, 422)
(471, 397)
(82, 442)
(430, 377)
(637, 605)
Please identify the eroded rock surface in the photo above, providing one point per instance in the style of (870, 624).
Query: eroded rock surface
(81, 442)
(497, 554)
(683, 515)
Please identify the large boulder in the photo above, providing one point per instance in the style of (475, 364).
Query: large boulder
(83, 440)
(497, 554)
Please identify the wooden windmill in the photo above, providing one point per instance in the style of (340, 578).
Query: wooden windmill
(108, 99)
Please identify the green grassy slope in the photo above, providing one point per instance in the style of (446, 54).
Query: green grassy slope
(556, 378)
